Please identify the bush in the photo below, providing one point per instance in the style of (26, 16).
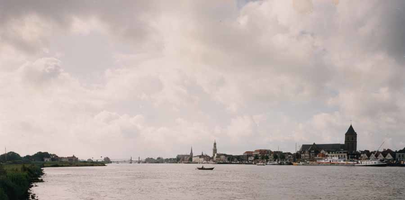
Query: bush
(16, 182)
(10, 189)
(3, 195)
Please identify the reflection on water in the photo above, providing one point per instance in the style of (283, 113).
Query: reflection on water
(181, 181)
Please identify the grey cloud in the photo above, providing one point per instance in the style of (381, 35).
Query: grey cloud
(129, 20)
(42, 71)
(257, 76)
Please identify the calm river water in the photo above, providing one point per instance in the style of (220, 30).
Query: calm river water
(181, 181)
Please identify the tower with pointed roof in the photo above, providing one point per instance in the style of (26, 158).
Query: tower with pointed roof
(191, 152)
(351, 140)
(214, 150)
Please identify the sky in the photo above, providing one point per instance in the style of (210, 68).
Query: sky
(155, 78)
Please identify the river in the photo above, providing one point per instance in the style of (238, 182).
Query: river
(182, 181)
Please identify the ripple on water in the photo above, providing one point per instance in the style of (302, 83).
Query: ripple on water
(177, 181)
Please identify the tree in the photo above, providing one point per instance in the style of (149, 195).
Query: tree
(11, 156)
(107, 160)
(275, 156)
(40, 156)
(256, 157)
(2, 171)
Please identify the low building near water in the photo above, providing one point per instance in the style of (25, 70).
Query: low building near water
(338, 155)
(400, 156)
(203, 158)
(185, 158)
(365, 155)
(68, 159)
(388, 155)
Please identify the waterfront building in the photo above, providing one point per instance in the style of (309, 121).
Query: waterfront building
(248, 156)
(351, 140)
(379, 156)
(277, 155)
(365, 155)
(73, 158)
(68, 159)
(374, 155)
(222, 157)
(185, 158)
(214, 150)
(289, 157)
(203, 158)
(338, 155)
(400, 156)
(311, 151)
(262, 152)
(388, 155)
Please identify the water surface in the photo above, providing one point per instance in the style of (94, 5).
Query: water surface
(182, 181)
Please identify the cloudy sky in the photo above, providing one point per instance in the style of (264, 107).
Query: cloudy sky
(153, 78)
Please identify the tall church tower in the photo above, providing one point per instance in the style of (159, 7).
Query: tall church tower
(191, 152)
(351, 140)
(214, 150)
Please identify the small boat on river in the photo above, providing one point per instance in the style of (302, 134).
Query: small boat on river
(272, 163)
(370, 163)
(205, 168)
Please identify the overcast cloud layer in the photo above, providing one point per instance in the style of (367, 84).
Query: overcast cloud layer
(153, 78)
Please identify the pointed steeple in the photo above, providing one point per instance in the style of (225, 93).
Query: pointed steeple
(191, 152)
(351, 131)
(214, 150)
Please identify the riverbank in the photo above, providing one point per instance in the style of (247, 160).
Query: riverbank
(17, 179)
(73, 164)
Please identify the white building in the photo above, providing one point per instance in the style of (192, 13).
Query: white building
(400, 155)
(337, 155)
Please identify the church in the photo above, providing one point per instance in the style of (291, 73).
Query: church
(310, 151)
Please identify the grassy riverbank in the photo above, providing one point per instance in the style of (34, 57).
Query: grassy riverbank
(17, 174)
(16, 180)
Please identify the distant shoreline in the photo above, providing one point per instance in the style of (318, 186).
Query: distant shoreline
(73, 164)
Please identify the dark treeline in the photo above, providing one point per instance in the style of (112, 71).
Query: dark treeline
(12, 157)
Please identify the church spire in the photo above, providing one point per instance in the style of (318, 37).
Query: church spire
(351, 131)
(214, 150)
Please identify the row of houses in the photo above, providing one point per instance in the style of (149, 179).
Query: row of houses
(265, 155)
(333, 152)
(258, 155)
(385, 155)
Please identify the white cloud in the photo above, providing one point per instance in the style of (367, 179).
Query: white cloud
(258, 74)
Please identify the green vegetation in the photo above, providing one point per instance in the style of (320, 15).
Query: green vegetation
(16, 180)
(18, 173)
(11, 156)
(40, 156)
